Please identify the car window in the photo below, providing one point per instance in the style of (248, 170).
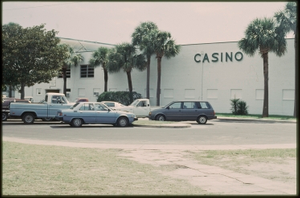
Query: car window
(87, 107)
(204, 105)
(100, 107)
(141, 104)
(189, 105)
(58, 99)
(176, 105)
(109, 104)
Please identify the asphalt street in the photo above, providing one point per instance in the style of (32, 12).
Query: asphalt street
(214, 133)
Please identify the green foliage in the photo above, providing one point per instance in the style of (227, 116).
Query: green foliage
(263, 35)
(124, 57)
(239, 107)
(122, 97)
(143, 37)
(30, 55)
(287, 18)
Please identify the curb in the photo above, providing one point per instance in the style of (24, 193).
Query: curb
(219, 119)
(179, 125)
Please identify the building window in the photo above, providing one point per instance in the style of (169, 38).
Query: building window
(68, 73)
(86, 71)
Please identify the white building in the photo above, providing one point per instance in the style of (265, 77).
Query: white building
(216, 72)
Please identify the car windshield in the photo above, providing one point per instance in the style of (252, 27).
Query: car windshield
(167, 105)
(75, 105)
(134, 103)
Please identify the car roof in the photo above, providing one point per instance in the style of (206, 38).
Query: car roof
(190, 101)
(109, 101)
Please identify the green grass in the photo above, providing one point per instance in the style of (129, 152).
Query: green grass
(256, 116)
(55, 170)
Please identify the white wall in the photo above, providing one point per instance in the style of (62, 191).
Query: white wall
(183, 78)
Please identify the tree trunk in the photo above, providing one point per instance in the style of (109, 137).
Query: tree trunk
(296, 77)
(148, 77)
(266, 86)
(64, 74)
(129, 85)
(158, 92)
(22, 91)
(10, 91)
(105, 79)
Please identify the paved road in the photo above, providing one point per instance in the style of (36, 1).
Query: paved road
(212, 134)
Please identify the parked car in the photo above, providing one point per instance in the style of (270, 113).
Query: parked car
(113, 105)
(6, 106)
(140, 107)
(45, 110)
(200, 111)
(94, 113)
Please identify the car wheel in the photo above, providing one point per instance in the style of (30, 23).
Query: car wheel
(122, 122)
(28, 118)
(160, 118)
(201, 120)
(76, 122)
(4, 116)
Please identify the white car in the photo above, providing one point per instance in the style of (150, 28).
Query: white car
(113, 105)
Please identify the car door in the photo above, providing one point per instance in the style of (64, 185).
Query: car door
(142, 109)
(57, 103)
(189, 111)
(87, 113)
(206, 109)
(173, 111)
(104, 115)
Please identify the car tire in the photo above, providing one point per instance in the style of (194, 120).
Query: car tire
(4, 116)
(122, 122)
(160, 118)
(202, 120)
(76, 122)
(28, 118)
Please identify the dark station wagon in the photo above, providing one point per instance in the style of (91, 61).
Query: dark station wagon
(200, 111)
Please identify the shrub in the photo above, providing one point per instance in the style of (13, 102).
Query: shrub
(122, 97)
(239, 107)
(234, 106)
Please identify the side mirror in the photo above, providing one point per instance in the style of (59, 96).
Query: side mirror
(168, 108)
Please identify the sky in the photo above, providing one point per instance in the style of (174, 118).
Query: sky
(114, 22)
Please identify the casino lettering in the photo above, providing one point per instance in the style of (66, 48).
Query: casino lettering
(216, 57)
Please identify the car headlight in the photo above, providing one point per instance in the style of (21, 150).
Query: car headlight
(150, 113)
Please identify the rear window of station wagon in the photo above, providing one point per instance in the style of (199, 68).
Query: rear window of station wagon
(189, 105)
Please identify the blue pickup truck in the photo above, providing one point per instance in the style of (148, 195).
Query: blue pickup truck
(45, 110)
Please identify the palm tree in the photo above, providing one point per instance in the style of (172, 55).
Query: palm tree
(143, 36)
(124, 57)
(262, 35)
(73, 59)
(287, 20)
(163, 45)
(100, 57)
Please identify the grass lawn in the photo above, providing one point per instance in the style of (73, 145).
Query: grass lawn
(256, 116)
(55, 170)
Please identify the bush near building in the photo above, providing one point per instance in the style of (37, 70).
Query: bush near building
(122, 97)
(239, 107)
